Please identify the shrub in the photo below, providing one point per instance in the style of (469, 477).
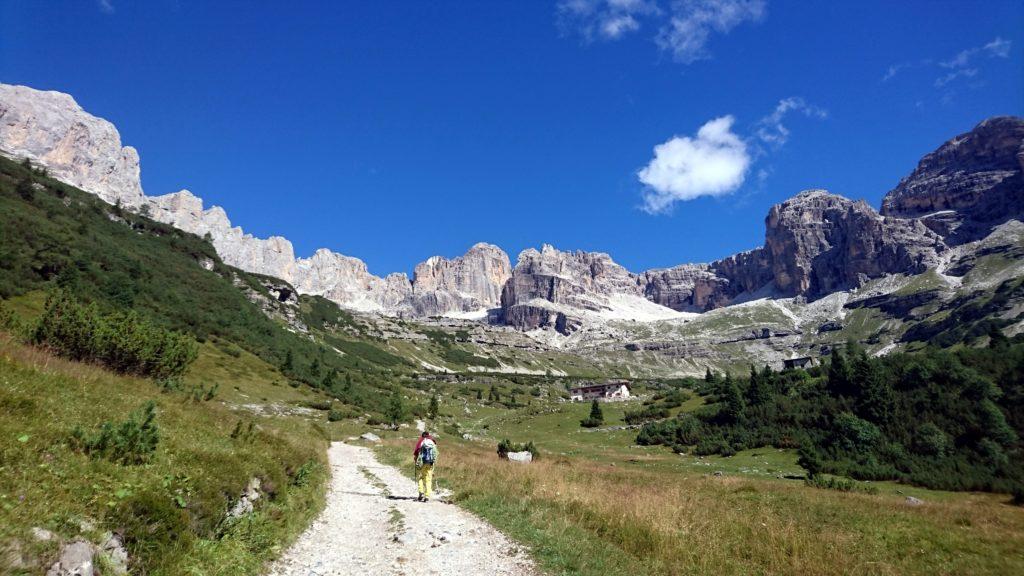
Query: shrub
(336, 414)
(123, 342)
(506, 446)
(840, 484)
(322, 405)
(26, 189)
(131, 442)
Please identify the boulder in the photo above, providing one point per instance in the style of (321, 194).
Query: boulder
(911, 501)
(42, 534)
(370, 437)
(115, 553)
(76, 559)
(246, 502)
(520, 457)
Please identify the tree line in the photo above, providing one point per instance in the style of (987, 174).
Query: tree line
(943, 419)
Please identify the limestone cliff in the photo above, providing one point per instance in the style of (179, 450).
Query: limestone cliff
(967, 186)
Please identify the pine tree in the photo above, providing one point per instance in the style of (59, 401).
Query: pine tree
(479, 394)
(433, 408)
(329, 380)
(289, 363)
(759, 391)
(839, 383)
(733, 400)
(596, 417)
(395, 412)
(876, 398)
(314, 368)
(996, 339)
(709, 376)
(26, 189)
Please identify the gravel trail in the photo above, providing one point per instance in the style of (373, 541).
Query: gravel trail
(372, 525)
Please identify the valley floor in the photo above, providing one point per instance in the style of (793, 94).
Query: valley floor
(373, 525)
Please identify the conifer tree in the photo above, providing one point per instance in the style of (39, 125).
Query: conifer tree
(433, 408)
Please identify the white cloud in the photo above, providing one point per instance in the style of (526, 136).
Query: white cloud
(997, 48)
(106, 6)
(619, 25)
(716, 161)
(684, 28)
(894, 70)
(692, 22)
(965, 65)
(772, 131)
(603, 19)
(713, 163)
(962, 73)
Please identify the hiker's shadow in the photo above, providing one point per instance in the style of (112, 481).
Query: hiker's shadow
(393, 497)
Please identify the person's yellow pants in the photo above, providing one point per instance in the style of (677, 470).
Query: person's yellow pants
(425, 479)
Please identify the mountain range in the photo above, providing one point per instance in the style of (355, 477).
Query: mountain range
(816, 243)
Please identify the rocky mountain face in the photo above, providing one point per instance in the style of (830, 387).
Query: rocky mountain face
(52, 130)
(818, 243)
(547, 283)
(815, 243)
(468, 283)
(970, 184)
(272, 256)
(341, 278)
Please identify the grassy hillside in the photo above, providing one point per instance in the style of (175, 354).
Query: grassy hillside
(55, 236)
(171, 509)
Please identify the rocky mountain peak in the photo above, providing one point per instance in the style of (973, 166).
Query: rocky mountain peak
(969, 184)
(818, 242)
(473, 281)
(51, 129)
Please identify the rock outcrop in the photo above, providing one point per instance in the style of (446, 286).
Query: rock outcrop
(969, 184)
(272, 256)
(346, 280)
(689, 287)
(52, 130)
(818, 243)
(550, 288)
(469, 283)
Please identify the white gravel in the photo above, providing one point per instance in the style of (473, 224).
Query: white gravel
(374, 526)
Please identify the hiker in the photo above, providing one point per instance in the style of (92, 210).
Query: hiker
(425, 454)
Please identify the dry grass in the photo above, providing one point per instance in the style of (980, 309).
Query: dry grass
(665, 523)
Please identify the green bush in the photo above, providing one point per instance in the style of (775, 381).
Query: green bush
(506, 446)
(132, 442)
(840, 484)
(123, 342)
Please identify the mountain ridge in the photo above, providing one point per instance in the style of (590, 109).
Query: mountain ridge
(815, 242)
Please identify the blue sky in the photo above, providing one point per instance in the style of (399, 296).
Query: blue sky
(393, 131)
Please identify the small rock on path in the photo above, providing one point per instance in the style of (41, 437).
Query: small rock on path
(376, 527)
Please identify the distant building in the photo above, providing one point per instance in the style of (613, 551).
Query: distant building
(803, 362)
(607, 391)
